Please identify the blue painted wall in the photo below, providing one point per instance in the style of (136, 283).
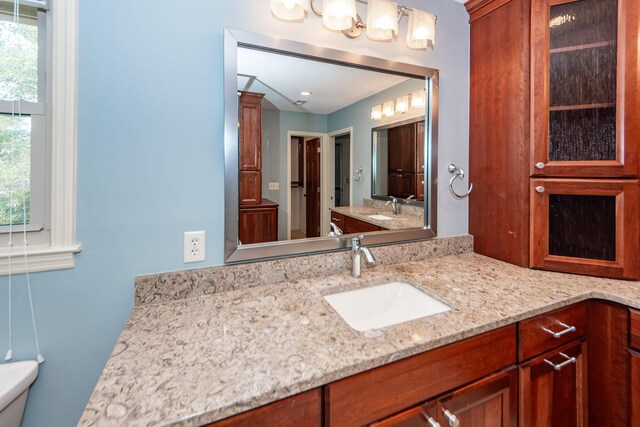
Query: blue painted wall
(150, 166)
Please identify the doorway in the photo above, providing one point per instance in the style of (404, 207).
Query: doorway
(312, 186)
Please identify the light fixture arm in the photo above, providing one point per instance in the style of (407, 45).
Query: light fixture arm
(313, 8)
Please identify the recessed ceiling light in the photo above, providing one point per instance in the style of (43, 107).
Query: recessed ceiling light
(305, 93)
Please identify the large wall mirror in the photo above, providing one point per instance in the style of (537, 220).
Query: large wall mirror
(322, 144)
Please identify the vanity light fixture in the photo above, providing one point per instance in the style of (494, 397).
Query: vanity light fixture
(289, 10)
(421, 31)
(383, 17)
(387, 109)
(339, 14)
(376, 112)
(402, 104)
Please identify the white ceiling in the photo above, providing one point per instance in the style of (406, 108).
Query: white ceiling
(281, 78)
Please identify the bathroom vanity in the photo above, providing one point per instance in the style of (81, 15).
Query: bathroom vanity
(195, 351)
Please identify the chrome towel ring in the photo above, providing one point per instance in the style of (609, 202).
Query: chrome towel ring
(457, 173)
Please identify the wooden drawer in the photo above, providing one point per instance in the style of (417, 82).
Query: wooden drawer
(300, 410)
(383, 391)
(337, 219)
(634, 329)
(356, 226)
(535, 335)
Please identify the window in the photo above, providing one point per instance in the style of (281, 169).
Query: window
(37, 132)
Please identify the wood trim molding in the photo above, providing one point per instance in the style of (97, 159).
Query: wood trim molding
(479, 8)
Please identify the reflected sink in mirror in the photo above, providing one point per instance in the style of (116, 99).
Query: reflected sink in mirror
(380, 217)
(384, 305)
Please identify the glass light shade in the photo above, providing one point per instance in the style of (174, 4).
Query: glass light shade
(402, 104)
(418, 99)
(376, 112)
(289, 10)
(421, 32)
(387, 109)
(382, 19)
(338, 15)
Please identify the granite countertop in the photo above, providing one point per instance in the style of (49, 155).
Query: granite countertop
(398, 222)
(198, 360)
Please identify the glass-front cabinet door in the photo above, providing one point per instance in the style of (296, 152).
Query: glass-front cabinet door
(586, 226)
(585, 88)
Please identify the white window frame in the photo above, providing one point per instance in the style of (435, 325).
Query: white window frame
(58, 251)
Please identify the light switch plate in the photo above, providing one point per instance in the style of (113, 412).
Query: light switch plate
(194, 246)
(274, 186)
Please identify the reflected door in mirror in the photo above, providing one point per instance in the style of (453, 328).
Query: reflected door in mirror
(313, 187)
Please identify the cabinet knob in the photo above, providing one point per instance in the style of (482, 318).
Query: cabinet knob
(451, 419)
(540, 165)
(540, 189)
(430, 421)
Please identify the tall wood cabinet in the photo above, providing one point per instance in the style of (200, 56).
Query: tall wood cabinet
(555, 134)
(258, 217)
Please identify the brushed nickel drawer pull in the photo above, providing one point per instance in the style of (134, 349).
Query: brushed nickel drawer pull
(429, 420)
(451, 419)
(565, 331)
(559, 366)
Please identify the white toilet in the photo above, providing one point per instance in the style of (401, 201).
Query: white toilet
(15, 379)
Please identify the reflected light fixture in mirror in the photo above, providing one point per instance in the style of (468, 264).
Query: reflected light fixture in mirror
(387, 109)
(383, 17)
(421, 30)
(402, 104)
(338, 15)
(418, 99)
(289, 10)
(376, 112)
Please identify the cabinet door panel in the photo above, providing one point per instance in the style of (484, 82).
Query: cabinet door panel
(586, 226)
(634, 386)
(419, 416)
(555, 397)
(491, 402)
(585, 86)
(250, 155)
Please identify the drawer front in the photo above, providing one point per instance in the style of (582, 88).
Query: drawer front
(357, 226)
(381, 392)
(300, 410)
(337, 219)
(550, 330)
(634, 329)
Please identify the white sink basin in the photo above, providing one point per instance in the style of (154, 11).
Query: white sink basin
(384, 305)
(380, 217)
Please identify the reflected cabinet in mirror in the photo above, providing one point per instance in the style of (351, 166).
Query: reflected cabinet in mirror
(321, 144)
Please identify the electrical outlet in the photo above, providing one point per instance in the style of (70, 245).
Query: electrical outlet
(274, 186)
(193, 246)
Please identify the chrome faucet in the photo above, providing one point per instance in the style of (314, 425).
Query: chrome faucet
(406, 201)
(356, 251)
(394, 205)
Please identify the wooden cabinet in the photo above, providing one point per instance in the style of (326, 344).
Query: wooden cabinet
(558, 99)
(352, 225)
(490, 402)
(553, 388)
(376, 394)
(303, 409)
(401, 185)
(585, 88)
(250, 120)
(420, 186)
(258, 223)
(586, 226)
(250, 148)
(402, 149)
(634, 388)
(550, 330)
